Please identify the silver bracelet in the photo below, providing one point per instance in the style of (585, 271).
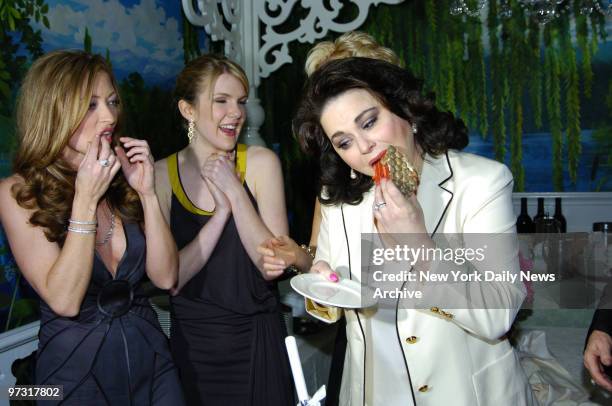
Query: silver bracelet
(83, 223)
(81, 230)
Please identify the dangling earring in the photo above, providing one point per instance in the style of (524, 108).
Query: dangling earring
(414, 128)
(353, 174)
(190, 131)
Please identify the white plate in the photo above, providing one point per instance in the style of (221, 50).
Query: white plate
(345, 293)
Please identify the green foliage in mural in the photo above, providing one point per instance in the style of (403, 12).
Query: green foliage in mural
(16, 34)
(87, 41)
(602, 136)
(532, 68)
(534, 39)
(499, 85)
(191, 46)
(582, 30)
(571, 96)
(108, 58)
(19, 44)
(552, 88)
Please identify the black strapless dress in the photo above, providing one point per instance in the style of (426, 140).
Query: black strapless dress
(114, 352)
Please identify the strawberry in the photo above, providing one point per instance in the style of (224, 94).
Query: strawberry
(381, 171)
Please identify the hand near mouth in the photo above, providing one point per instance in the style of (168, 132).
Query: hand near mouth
(93, 178)
(137, 164)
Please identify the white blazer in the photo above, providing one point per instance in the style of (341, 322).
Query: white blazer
(454, 357)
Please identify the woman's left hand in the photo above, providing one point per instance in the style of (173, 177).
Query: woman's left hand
(220, 170)
(137, 164)
(396, 214)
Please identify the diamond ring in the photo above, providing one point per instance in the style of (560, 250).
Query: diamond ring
(378, 206)
(104, 162)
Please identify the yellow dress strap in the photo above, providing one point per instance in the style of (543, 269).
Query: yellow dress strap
(241, 160)
(177, 188)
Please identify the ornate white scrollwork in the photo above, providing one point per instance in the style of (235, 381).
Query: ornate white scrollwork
(316, 25)
(215, 16)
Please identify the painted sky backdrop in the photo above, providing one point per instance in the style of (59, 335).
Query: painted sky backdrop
(142, 35)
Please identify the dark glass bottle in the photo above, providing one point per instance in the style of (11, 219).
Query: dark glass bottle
(524, 224)
(559, 216)
(540, 215)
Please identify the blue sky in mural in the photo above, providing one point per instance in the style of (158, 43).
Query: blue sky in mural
(142, 35)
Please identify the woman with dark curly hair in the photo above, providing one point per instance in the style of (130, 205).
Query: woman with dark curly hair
(84, 224)
(352, 111)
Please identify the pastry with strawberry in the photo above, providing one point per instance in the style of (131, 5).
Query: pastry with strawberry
(395, 166)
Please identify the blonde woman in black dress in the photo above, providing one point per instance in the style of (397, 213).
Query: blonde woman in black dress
(85, 226)
(222, 199)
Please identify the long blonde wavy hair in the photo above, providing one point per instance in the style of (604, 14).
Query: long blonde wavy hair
(53, 100)
(352, 43)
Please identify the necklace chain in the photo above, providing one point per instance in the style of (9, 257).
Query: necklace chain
(109, 233)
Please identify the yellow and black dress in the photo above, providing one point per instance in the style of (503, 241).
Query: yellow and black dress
(227, 334)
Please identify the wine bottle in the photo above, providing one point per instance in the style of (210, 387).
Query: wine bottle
(524, 224)
(540, 215)
(559, 216)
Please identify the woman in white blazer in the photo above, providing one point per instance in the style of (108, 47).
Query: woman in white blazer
(352, 110)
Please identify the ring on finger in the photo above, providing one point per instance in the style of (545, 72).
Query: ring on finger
(104, 162)
(379, 205)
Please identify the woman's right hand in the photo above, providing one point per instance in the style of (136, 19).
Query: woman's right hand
(323, 268)
(277, 254)
(93, 179)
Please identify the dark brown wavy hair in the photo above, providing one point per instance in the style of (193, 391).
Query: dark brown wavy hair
(397, 90)
(53, 100)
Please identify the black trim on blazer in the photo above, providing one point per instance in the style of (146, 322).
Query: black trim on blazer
(348, 249)
(446, 190)
(399, 338)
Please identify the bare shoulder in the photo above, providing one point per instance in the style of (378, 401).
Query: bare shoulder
(262, 158)
(161, 167)
(10, 181)
(12, 215)
(162, 179)
(6, 195)
(163, 189)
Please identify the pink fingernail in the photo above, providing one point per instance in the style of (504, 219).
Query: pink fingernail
(333, 277)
